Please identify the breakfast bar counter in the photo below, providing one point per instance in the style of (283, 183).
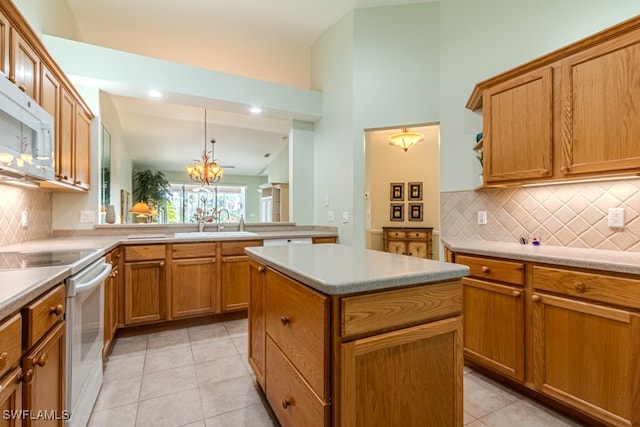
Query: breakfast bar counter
(345, 336)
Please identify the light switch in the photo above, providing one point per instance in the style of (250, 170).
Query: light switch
(345, 217)
(24, 219)
(332, 216)
(482, 217)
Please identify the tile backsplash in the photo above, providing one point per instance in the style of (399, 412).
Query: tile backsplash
(572, 215)
(37, 204)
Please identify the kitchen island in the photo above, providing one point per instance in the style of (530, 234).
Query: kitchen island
(345, 336)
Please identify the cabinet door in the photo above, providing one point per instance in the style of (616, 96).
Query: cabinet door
(518, 128)
(600, 95)
(193, 287)
(235, 283)
(144, 288)
(257, 320)
(11, 398)
(110, 305)
(586, 355)
(50, 93)
(82, 149)
(64, 139)
(408, 377)
(418, 249)
(25, 66)
(44, 379)
(494, 327)
(396, 247)
(5, 27)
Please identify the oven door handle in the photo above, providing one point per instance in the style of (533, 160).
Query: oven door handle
(96, 281)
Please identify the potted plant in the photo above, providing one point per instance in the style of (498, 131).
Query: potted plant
(152, 188)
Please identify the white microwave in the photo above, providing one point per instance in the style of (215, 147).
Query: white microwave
(26, 135)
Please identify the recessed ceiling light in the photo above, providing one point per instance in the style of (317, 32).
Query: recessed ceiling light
(256, 110)
(154, 93)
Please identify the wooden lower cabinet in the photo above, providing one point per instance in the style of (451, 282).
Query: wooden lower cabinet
(144, 289)
(193, 287)
(587, 356)
(11, 398)
(372, 359)
(494, 326)
(418, 364)
(234, 278)
(44, 380)
(111, 299)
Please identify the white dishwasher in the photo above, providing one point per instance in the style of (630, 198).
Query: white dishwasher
(287, 242)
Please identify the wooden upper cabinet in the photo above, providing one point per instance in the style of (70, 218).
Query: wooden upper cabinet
(25, 65)
(49, 92)
(4, 43)
(64, 140)
(572, 113)
(82, 148)
(600, 99)
(517, 128)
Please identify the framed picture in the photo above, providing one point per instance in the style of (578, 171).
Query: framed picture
(415, 211)
(397, 212)
(397, 191)
(415, 191)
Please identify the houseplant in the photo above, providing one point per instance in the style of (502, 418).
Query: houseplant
(152, 188)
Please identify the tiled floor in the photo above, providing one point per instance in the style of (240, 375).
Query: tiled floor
(199, 376)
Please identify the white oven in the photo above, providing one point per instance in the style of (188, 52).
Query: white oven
(85, 336)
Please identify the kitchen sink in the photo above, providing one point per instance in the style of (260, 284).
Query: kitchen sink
(218, 234)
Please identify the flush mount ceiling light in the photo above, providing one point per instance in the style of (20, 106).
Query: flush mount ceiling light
(154, 93)
(405, 139)
(205, 170)
(256, 110)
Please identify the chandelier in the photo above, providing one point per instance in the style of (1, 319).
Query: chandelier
(205, 169)
(405, 139)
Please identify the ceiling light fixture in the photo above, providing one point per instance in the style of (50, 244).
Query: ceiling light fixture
(205, 169)
(405, 139)
(154, 93)
(256, 110)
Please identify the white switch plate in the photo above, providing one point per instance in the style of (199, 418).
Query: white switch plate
(87, 216)
(345, 217)
(616, 217)
(482, 217)
(24, 219)
(332, 216)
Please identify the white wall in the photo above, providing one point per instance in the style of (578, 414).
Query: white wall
(301, 173)
(376, 67)
(278, 168)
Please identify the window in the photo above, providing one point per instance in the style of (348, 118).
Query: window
(187, 198)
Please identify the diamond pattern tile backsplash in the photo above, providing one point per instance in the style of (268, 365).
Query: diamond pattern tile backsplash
(573, 215)
(14, 201)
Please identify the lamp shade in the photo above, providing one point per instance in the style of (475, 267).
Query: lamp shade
(140, 208)
(405, 139)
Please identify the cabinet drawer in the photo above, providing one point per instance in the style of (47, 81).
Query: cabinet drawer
(391, 310)
(294, 403)
(42, 314)
(395, 234)
(144, 252)
(296, 318)
(596, 287)
(10, 343)
(493, 269)
(193, 250)
(418, 234)
(237, 248)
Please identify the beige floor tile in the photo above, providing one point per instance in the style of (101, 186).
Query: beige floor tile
(169, 381)
(170, 410)
(207, 332)
(167, 358)
(522, 414)
(252, 416)
(468, 418)
(242, 343)
(196, 424)
(481, 398)
(220, 369)
(165, 339)
(122, 416)
(225, 396)
(128, 347)
(237, 327)
(124, 368)
(212, 349)
(479, 423)
(118, 393)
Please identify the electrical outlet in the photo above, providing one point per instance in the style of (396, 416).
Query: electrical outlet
(482, 217)
(616, 217)
(87, 216)
(332, 216)
(24, 219)
(345, 217)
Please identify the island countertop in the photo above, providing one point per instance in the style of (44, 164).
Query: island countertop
(335, 269)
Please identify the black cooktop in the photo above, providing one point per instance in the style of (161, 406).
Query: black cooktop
(27, 259)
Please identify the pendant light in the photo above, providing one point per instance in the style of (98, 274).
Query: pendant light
(205, 170)
(405, 139)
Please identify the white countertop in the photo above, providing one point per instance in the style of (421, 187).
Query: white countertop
(338, 269)
(598, 259)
